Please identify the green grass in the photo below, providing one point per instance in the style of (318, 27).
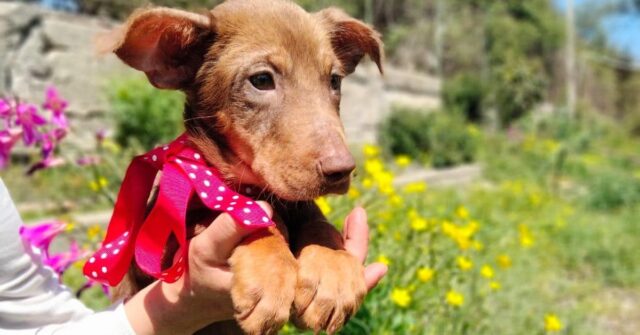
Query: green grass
(560, 199)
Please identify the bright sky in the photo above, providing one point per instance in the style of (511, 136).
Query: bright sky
(623, 30)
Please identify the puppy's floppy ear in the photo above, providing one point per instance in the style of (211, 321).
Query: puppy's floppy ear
(351, 39)
(168, 45)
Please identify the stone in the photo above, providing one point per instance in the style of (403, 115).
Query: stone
(39, 48)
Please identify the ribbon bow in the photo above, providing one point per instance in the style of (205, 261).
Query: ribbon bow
(184, 173)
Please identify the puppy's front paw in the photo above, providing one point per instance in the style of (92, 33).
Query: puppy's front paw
(330, 288)
(263, 287)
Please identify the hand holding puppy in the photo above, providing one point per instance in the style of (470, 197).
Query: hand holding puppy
(202, 296)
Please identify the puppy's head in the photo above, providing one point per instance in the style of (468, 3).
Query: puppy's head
(262, 80)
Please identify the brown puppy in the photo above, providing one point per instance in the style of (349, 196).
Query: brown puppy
(262, 81)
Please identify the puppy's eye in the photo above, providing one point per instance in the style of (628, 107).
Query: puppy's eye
(336, 82)
(263, 81)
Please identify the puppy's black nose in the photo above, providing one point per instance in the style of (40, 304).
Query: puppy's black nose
(337, 168)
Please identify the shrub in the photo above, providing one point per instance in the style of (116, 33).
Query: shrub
(406, 132)
(464, 93)
(519, 86)
(442, 137)
(452, 140)
(612, 188)
(145, 115)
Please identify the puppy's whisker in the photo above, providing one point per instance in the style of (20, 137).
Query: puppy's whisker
(199, 118)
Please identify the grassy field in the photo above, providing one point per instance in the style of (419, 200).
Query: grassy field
(545, 242)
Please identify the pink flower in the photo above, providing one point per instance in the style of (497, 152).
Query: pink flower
(60, 262)
(5, 112)
(57, 105)
(40, 237)
(48, 160)
(8, 138)
(28, 118)
(101, 135)
(88, 161)
(44, 164)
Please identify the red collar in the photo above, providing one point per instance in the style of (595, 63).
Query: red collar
(184, 173)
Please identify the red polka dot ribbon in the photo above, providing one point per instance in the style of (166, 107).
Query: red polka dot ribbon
(186, 177)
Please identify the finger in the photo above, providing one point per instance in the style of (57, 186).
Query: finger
(224, 234)
(356, 233)
(219, 278)
(373, 273)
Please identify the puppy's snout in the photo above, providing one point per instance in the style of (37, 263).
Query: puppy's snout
(337, 168)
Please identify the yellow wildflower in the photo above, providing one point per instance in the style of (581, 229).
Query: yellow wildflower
(396, 200)
(401, 297)
(94, 232)
(353, 193)
(384, 260)
(464, 263)
(403, 161)
(382, 228)
(70, 226)
(461, 235)
(486, 271)
(111, 146)
(552, 323)
(385, 182)
(367, 183)
(373, 166)
(425, 274)
(324, 206)
(462, 212)
(494, 285)
(417, 222)
(504, 261)
(415, 187)
(477, 245)
(526, 237)
(455, 298)
(371, 150)
(98, 184)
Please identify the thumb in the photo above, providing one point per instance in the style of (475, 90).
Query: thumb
(222, 236)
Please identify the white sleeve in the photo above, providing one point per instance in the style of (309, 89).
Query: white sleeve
(32, 300)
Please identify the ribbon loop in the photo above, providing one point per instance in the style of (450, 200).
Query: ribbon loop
(184, 172)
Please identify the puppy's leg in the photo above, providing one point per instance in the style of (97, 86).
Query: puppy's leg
(264, 281)
(331, 285)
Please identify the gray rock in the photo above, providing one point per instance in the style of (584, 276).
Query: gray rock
(40, 47)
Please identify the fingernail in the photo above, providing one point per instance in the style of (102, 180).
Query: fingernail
(266, 207)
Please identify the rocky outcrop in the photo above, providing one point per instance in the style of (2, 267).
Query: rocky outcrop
(40, 47)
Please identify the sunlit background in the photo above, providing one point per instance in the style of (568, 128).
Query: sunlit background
(499, 156)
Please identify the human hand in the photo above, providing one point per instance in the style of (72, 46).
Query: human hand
(202, 295)
(356, 242)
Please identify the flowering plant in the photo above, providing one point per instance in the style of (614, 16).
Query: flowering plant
(44, 127)
(40, 236)
(24, 121)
